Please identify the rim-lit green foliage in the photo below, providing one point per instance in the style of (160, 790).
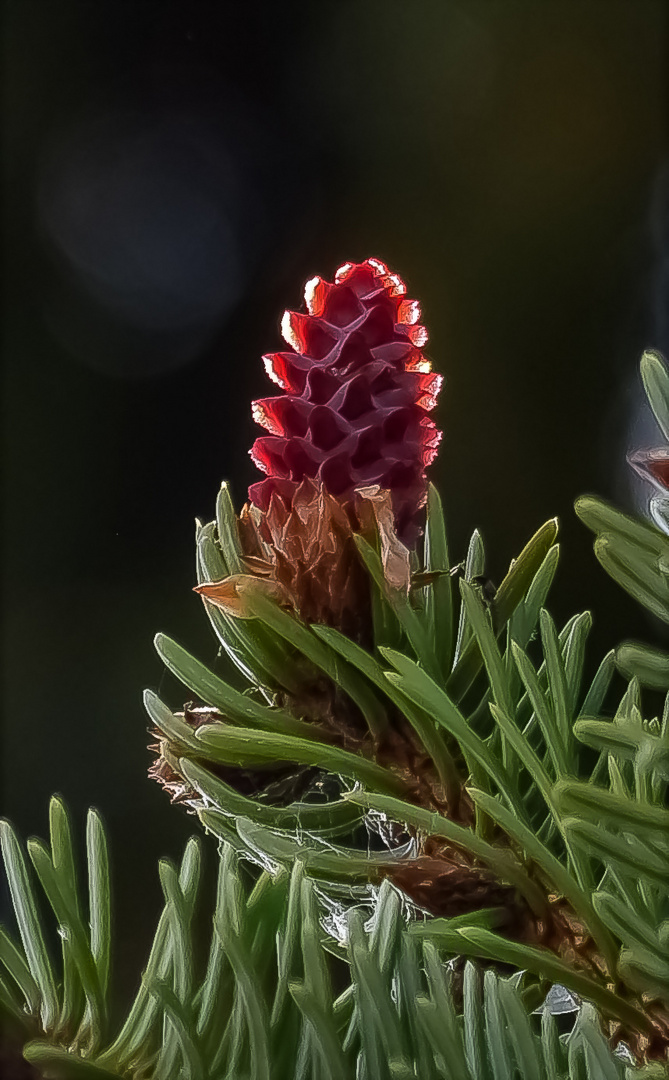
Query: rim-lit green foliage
(494, 691)
(632, 835)
(636, 553)
(261, 1006)
(488, 715)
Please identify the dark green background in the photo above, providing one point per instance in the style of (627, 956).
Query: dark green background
(507, 159)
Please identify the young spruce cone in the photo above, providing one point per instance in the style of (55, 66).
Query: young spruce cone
(350, 440)
(358, 394)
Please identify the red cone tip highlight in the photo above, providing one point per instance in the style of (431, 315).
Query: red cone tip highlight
(358, 391)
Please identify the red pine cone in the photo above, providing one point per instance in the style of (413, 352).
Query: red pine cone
(358, 393)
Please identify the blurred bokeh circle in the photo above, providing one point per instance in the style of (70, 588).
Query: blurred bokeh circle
(155, 220)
